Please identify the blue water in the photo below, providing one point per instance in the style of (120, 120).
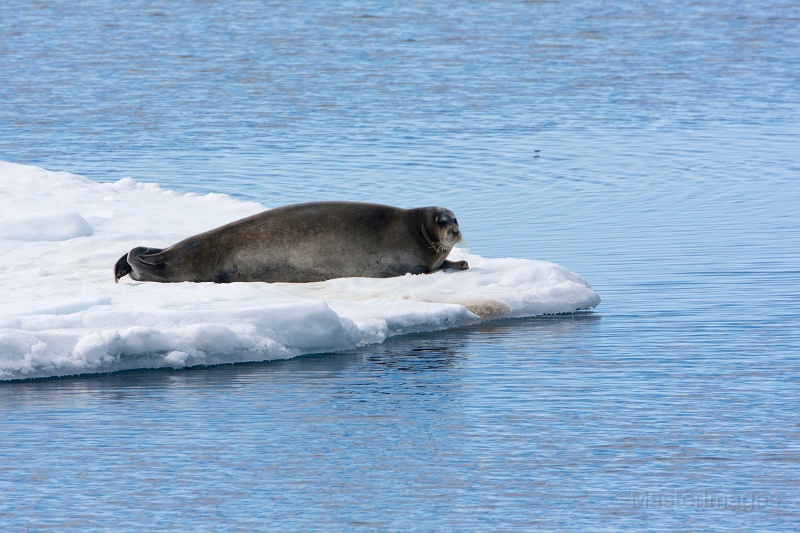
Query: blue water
(649, 146)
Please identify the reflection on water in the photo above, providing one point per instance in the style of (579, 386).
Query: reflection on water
(416, 353)
(498, 423)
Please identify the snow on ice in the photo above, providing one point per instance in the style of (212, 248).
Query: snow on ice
(61, 312)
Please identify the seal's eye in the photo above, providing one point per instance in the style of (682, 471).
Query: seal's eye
(442, 222)
(455, 221)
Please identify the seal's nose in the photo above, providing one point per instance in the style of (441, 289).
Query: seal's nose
(456, 232)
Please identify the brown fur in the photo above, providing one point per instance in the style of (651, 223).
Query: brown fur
(306, 242)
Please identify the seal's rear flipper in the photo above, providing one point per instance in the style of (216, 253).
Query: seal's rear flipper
(146, 264)
(122, 268)
(147, 256)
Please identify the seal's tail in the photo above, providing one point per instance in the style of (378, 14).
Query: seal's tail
(122, 268)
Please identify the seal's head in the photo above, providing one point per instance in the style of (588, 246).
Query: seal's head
(445, 230)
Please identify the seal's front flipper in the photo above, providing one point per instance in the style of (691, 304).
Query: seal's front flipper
(453, 265)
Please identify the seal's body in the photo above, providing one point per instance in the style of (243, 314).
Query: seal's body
(306, 242)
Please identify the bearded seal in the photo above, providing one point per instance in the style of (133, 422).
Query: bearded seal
(306, 242)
